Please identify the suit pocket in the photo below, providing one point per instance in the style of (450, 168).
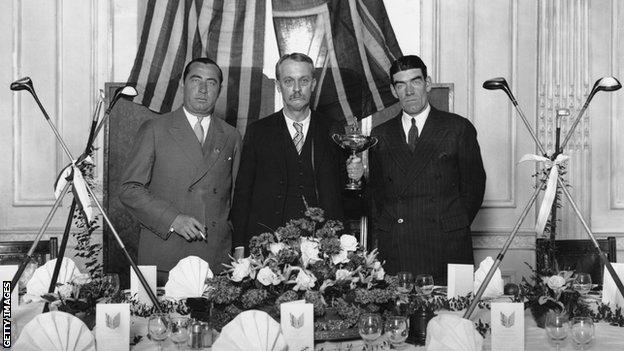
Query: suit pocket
(454, 222)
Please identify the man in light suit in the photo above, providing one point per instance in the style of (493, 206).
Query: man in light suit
(179, 177)
(288, 156)
(426, 178)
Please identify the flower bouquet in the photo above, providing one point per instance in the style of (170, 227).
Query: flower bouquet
(308, 258)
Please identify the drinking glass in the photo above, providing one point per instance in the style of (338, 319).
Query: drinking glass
(397, 330)
(583, 283)
(158, 327)
(110, 283)
(582, 330)
(405, 282)
(424, 282)
(557, 326)
(370, 328)
(179, 331)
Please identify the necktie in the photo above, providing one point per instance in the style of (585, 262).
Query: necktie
(412, 135)
(298, 138)
(199, 130)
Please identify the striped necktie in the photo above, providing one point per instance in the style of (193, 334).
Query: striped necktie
(412, 135)
(199, 130)
(298, 138)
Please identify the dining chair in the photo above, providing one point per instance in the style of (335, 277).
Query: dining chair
(13, 252)
(577, 255)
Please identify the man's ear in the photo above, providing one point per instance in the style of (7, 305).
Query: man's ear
(313, 84)
(278, 86)
(394, 93)
(428, 83)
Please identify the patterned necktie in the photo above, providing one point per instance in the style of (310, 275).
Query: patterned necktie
(298, 138)
(412, 135)
(199, 130)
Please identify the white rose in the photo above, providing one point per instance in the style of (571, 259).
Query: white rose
(379, 274)
(304, 281)
(343, 274)
(275, 248)
(341, 257)
(348, 242)
(266, 276)
(556, 282)
(66, 291)
(242, 269)
(309, 251)
(81, 279)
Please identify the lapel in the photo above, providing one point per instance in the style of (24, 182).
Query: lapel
(319, 145)
(280, 140)
(428, 143)
(185, 138)
(399, 149)
(213, 145)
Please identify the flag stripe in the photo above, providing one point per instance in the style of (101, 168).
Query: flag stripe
(257, 67)
(176, 64)
(247, 62)
(235, 60)
(147, 24)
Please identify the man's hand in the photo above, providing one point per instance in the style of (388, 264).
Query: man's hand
(188, 227)
(355, 168)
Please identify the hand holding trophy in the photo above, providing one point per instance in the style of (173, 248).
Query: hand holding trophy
(354, 142)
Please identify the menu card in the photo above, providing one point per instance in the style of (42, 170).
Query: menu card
(113, 326)
(149, 272)
(610, 292)
(460, 280)
(507, 323)
(297, 322)
(7, 272)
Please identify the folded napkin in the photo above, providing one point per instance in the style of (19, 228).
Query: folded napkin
(251, 330)
(188, 278)
(447, 332)
(55, 331)
(40, 281)
(495, 287)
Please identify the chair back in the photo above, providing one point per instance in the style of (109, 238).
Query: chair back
(577, 255)
(13, 252)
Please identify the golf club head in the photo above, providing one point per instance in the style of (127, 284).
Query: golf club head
(499, 83)
(23, 84)
(128, 91)
(604, 84)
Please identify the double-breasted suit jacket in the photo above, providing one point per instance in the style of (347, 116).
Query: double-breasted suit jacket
(425, 200)
(260, 195)
(169, 173)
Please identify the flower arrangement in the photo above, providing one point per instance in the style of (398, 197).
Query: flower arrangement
(308, 258)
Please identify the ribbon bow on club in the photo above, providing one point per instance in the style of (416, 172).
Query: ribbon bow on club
(72, 173)
(551, 186)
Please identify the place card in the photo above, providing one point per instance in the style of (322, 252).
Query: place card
(610, 292)
(507, 323)
(297, 322)
(149, 272)
(7, 272)
(460, 280)
(113, 326)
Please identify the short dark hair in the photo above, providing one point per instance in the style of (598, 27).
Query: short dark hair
(406, 62)
(205, 61)
(295, 56)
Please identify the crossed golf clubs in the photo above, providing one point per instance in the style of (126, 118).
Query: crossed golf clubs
(127, 91)
(602, 84)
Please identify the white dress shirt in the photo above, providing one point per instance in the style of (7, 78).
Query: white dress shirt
(291, 127)
(421, 118)
(192, 119)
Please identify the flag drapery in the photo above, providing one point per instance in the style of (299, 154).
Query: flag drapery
(351, 42)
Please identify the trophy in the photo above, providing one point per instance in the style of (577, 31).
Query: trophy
(356, 143)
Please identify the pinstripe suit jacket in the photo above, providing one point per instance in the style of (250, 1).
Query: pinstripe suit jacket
(168, 173)
(425, 200)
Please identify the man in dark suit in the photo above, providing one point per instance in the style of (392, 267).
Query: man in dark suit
(179, 177)
(427, 180)
(289, 156)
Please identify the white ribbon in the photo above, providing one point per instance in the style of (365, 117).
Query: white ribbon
(72, 172)
(551, 187)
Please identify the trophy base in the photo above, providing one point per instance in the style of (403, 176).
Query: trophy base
(353, 187)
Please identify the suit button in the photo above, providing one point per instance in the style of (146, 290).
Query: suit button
(281, 182)
(400, 220)
(300, 186)
(277, 212)
(279, 196)
(301, 174)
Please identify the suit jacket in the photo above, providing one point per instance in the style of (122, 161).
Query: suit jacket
(260, 192)
(167, 174)
(424, 201)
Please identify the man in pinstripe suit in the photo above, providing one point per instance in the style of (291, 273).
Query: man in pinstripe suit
(426, 179)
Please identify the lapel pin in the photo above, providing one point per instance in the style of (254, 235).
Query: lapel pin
(217, 150)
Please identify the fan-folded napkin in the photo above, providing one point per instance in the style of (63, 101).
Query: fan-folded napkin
(251, 330)
(447, 332)
(495, 287)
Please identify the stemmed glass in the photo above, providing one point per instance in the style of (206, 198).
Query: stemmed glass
(397, 330)
(110, 283)
(158, 327)
(405, 281)
(582, 330)
(582, 283)
(370, 328)
(424, 282)
(557, 326)
(179, 330)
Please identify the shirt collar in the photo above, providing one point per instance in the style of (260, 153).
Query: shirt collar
(421, 117)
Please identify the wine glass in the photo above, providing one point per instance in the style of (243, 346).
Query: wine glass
(179, 330)
(424, 282)
(557, 326)
(110, 282)
(370, 327)
(582, 330)
(158, 327)
(583, 283)
(405, 281)
(397, 330)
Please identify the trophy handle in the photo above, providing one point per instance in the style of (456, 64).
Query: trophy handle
(336, 139)
(374, 141)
